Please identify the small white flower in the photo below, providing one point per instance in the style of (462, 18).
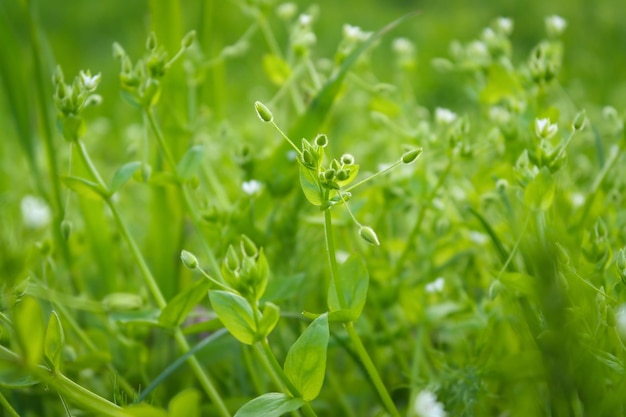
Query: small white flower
(444, 116)
(578, 199)
(35, 212)
(477, 50)
(286, 11)
(620, 320)
(354, 33)
(555, 25)
(305, 19)
(403, 46)
(435, 286)
(499, 115)
(477, 237)
(504, 25)
(544, 129)
(426, 405)
(90, 83)
(489, 34)
(251, 187)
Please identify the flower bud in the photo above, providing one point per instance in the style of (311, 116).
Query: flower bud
(343, 175)
(411, 155)
(579, 121)
(263, 112)
(368, 234)
(555, 25)
(347, 159)
(544, 129)
(118, 51)
(248, 248)
(57, 77)
(329, 174)
(151, 42)
(189, 260)
(188, 39)
(232, 260)
(66, 229)
(321, 140)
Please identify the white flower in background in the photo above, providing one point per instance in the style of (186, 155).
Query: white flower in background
(578, 199)
(620, 320)
(403, 46)
(305, 19)
(435, 286)
(444, 116)
(555, 25)
(504, 25)
(477, 237)
(354, 33)
(286, 11)
(90, 82)
(499, 115)
(35, 212)
(426, 405)
(478, 51)
(251, 187)
(544, 129)
(489, 35)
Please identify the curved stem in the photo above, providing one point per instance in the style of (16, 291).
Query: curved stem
(6, 405)
(371, 370)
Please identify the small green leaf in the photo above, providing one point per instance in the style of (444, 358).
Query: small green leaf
(355, 282)
(191, 161)
(122, 301)
(311, 186)
(177, 310)
(236, 314)
(55, 338)
(122, 175)
(539, 193)
(271, 314)
(305, 364)
(185, 403)
(276, 68)
(272, 404)
(84, 188)
(29, 328)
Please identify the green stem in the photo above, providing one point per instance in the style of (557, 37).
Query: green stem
(332, 260)
(42, 103)
(156, 292)
(420, 218)
(169, 157)
(7, 406)
(306, 408)
(371, 370)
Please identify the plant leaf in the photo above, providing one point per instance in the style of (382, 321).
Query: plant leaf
(122, 175)
(12, 374)
(272, 404)
(235, 313)
(190, 162)
(305, 364)
(29, 328)
(185, 403)
(271, 314)
(355, 282)
(84, 188)
(310, 186)
(177, 310)
(54, 340)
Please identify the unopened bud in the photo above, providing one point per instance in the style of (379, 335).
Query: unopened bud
(347, 159)
(321, 140)
(188, 39)
(369, 235)
(263, 112)
(151, 42)
(232, 260)
(66, 229)
(411, 155)
(189, 260)
(57, 77)
(248, 248)
(118, 51)
(579, 121)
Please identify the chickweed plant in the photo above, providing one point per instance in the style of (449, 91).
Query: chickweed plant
(332, 248)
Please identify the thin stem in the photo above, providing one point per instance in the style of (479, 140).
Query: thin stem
(306, 408)
(373, 176)
(213, 280)
(293, 145)
(169, 157)
(371, 370)
(332, 260)
(93, 171)
(420, 218)
(6, 405)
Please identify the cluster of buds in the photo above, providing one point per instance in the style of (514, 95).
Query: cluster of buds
(71, 99)
(544, 62)
(142, 80)
(496, 37)
(405, 53)
(352, 37)
(247, 271)
(302, 37)
(524, 170)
